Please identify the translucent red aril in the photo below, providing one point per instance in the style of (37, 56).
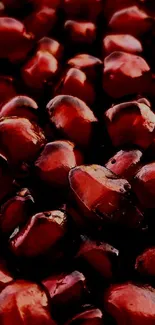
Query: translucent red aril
(125, 163)
(15, 42)
(66, 292)
(121, 42)
(144, 185)
(145, 263)
(41, 68)
(40, 234)
(21, 106)
(111, 6)
(108, 202)
(5, 276)
(41, 22)
(87, 9)
(131, 20)
(55, 162)
(50, 45)
(91, 316)
(69, 115)
(80, 31)
(101, 257)
(16, 211)
(27, 304)
(131, 123)
(76, 83)
(132, 304)
(21, 140)
(125, 74)
(87, 63)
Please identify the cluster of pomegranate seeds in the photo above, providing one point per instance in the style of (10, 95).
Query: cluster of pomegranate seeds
(77, 162)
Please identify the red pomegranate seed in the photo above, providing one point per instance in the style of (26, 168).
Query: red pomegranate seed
(80, 31)
(15, 41)
(125, 163)
(21, 106)
(129, 303)
(41, 68)
(76, 83)
(51, 46)
(41, 22)
(131, 20)
(125, 74)
(145, 263)
(144, 185)
(131, 123)
(55, 162)
(27, 304)
(41, 233)
(16, 210)
(99, 256)
(21, 140)
(65, 291)
(89, 64)
(121, 42)
(69, 115)
(108, 202)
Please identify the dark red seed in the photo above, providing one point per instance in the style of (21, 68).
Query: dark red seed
(121, 42)
(16, 210)
(145, 263)
(108, 202)
(91, 316)
(40, 234)
(76, 83)
(87, 63)
(131, 123)
(21, 106)
(129, 303)
(125, 163)
(51, 46)
(80, 31)
(69, 115)
(125, 74)
(55, 162)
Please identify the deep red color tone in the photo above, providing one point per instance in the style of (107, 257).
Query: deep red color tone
(27, 304)
(131, 123)
(55, 162)
(41, 22)
(128, 303)
(16, 210)
(42, 232)
(40, 69)
(7, 89)
(51, 46)
(87, 9)
(121, 42)
(144, 185)
(21, 140)
(69, 115)
(80, 31)
(99, 256)
(108, 202)
(125, 163)
(65, 291)
(89, 64)
(5, 276)
(76, 83)
(131, 20)
(88, 317)
(15, 41)
(125, 74)
(21, 106)
(145, 263)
